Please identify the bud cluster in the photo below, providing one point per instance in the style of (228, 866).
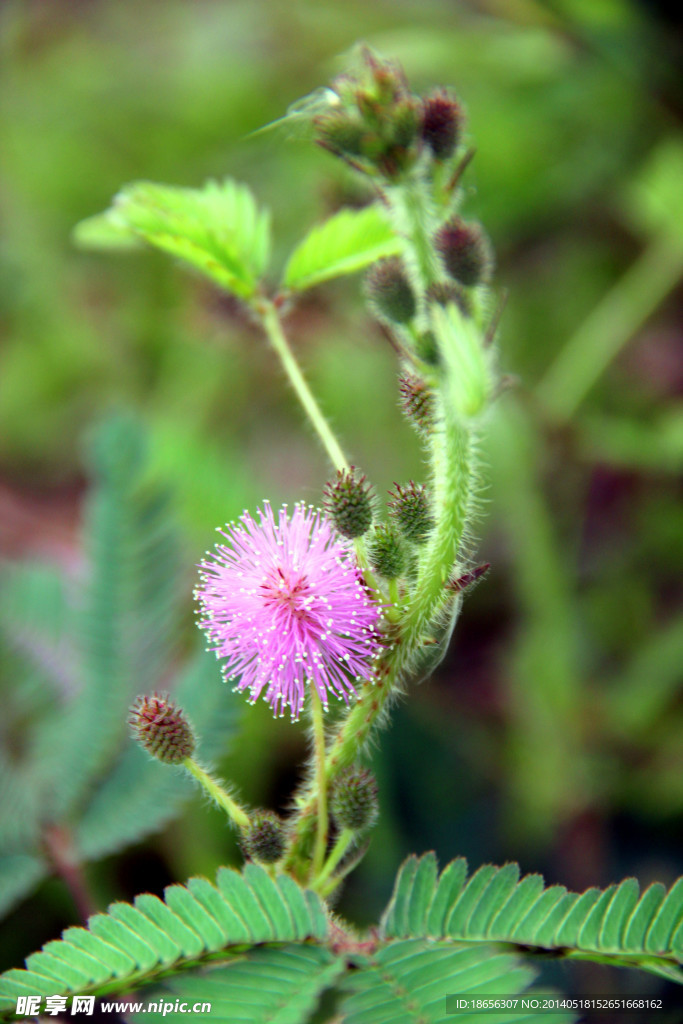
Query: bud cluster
(160, 726)
(380, 127)
(376, 125)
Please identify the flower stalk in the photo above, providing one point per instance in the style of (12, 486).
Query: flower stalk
(272, 325)
(238, 816)
(320, 782)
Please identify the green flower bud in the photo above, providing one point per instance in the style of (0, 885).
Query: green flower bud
(353, 801)
(264, 840)
(160, 726)
(441, 124)
(341, 134)
(389, 290)
(427, 348)
(348, 502)
(405, 123)
(417, 401)
(443, 292)
(465, 250)
(409, 508)
(386, 551)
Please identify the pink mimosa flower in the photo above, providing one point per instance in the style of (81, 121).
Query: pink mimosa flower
(285, 604)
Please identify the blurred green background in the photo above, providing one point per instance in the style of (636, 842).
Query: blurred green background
(553, 732)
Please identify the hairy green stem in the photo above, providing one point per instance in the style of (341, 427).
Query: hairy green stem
(340, 847)
(452, 470)
(452, 487)
(409, 208)
(270, 320)
(320, 780)
(452, 479)
(236, 813)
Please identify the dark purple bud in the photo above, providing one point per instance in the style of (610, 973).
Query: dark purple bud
(465, 251)
(441, 124)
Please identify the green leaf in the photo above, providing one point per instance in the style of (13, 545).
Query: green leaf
(349, 241)
(217, 229)
(128, 619)
(616, 925)
(409, 981)
(106, 231)
(130, 946)
(265, 986)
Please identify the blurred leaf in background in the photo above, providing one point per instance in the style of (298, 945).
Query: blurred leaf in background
(75, 653)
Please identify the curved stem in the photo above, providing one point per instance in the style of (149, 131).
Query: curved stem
(270, 320)
(63, 858)
(342, 844)
(320, 781)
(236, 813)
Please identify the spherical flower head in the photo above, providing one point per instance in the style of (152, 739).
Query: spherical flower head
(284, 602)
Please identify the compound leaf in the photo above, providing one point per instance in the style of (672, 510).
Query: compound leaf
(132, 946)
(616, 924)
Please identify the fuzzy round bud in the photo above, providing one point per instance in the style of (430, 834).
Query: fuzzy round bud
(389, 289)
(410, 510)
(353, 801)
(264, 840)
(340, 134)
(444, 292)
(427, 348)
(465, 251)
(441, 124)
(386, 551)
(348, 503)
(160, 726)
(405, 123)
(417, 401)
